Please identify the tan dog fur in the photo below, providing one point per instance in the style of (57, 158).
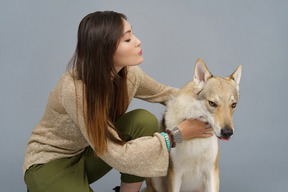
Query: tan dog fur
(193, 164)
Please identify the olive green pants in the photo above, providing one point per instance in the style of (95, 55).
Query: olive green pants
(74, 174)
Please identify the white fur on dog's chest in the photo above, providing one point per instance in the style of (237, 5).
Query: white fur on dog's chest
(194, 164)
(192, 160)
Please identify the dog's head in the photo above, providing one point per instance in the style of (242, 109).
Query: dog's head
(218, 98)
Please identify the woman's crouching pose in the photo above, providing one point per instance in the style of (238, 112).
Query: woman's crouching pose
(86, 131)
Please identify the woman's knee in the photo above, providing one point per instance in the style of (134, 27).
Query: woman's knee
(148, 121)
(137, 123)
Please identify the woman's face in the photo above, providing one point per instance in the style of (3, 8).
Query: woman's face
(128, 52)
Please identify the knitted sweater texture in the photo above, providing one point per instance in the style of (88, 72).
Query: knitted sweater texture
(62, 133)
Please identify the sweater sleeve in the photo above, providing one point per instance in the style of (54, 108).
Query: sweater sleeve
(145, 157)
(151, 90)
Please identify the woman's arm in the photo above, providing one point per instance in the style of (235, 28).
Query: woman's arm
(146, 156)
(148, 89)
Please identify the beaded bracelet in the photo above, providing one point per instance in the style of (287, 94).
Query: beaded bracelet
(166, 140)
(172, 138)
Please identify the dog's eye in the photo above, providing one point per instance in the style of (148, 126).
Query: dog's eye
(211, 103)
(233, 105)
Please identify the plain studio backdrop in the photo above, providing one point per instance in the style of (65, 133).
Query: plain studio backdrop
(39, 37)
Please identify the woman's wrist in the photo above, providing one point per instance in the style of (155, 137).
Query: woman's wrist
(177, 135)
(171, 138)
(167, 140)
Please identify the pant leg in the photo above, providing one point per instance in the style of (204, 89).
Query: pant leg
(95, 168)
(68, 174)
(135, 124)
(76, 173)
(65, 175)
(132, 125)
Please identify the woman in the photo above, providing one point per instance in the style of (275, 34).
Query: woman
(85, 131)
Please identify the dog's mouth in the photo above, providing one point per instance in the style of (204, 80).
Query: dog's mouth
(225, 134)
(224, 138)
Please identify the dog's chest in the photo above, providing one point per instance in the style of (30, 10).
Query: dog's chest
(193, 159)
(196, 149)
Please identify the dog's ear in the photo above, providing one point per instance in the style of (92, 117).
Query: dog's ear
(236, 76)
(201, 72)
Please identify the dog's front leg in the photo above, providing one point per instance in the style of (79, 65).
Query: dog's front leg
(212, 181)
(175, 181)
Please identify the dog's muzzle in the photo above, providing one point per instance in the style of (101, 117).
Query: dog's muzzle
(226, 133)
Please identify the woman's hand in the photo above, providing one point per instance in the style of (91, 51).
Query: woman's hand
(192, 128)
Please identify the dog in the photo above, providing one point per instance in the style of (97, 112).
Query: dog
(193, 164)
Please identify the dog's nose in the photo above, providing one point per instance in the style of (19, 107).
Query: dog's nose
(226, 132)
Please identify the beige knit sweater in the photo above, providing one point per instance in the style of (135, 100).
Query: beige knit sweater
(59, 134)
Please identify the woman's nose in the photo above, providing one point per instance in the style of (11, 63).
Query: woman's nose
(138, 42)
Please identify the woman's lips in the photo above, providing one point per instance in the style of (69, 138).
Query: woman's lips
(140, 53)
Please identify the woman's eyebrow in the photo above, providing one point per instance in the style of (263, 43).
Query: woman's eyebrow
(129, 31)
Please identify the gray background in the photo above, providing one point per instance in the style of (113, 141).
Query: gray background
(39, 37)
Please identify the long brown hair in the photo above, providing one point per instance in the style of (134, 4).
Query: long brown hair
(104, 90)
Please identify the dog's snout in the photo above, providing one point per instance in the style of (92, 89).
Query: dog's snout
(226, 132)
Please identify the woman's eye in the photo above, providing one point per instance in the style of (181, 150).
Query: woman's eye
(128, 40)
(211, 103)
